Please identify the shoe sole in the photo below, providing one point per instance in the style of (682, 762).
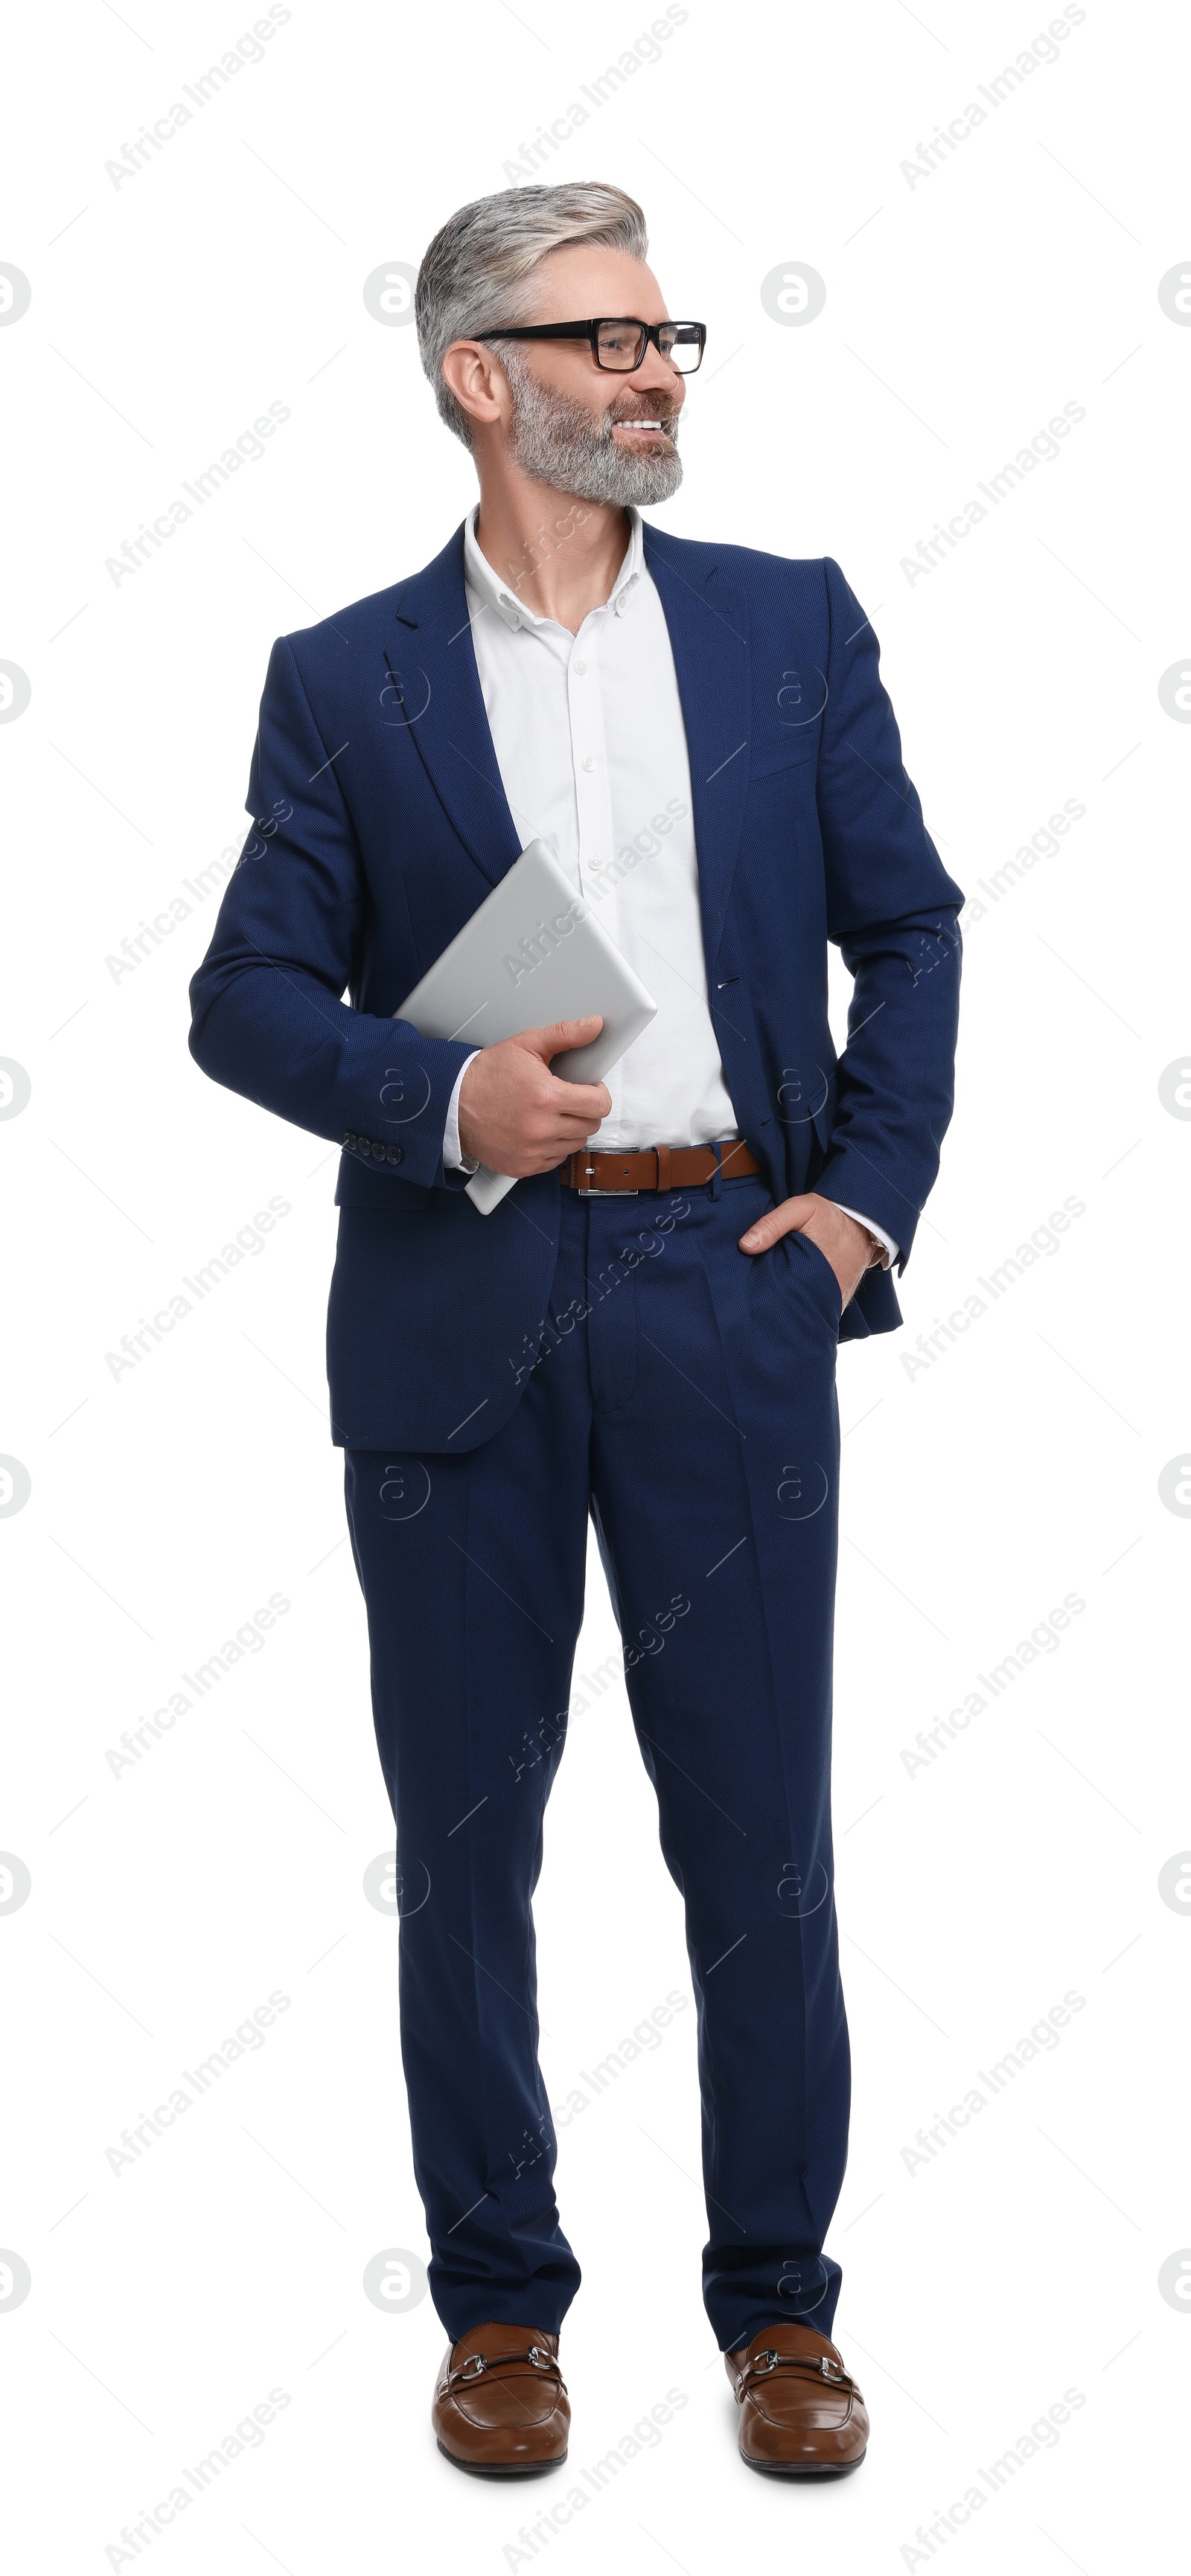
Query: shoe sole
(499, 2468)
(795, 2469)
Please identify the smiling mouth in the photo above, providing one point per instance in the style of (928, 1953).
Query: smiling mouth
(655, 428)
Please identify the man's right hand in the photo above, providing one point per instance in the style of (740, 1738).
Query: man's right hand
(515, 1115)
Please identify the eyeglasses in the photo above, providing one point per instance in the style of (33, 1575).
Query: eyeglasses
(619, 343)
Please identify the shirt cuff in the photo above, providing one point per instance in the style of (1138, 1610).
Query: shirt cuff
(454, 1158)
(869, 1224)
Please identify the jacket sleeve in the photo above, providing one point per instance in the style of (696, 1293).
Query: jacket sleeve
(893, 912)
(268, 1017)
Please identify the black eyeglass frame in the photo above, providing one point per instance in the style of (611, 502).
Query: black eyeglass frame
(590, 331)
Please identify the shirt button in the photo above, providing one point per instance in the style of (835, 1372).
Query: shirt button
(589, 762)
(579, 668)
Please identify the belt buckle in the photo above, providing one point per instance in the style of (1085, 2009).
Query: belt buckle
(588, 1193)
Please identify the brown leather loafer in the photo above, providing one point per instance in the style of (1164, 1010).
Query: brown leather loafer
(801, 2413)
(500, 2407)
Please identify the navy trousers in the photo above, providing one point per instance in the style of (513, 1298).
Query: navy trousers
(683, 1393)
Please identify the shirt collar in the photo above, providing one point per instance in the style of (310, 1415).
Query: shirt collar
(499, 595)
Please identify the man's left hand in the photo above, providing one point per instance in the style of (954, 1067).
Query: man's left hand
(841, 1241)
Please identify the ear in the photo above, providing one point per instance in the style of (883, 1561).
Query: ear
(477, 380)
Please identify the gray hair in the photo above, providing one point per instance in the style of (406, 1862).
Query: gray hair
(478, 269)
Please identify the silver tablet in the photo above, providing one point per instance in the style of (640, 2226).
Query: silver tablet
(533, 953)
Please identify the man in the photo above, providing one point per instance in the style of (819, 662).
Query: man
(646, 1328)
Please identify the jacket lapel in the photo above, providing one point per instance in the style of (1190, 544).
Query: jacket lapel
(707, 617)
(432, 688)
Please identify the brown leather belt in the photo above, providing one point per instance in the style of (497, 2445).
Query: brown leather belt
(654, 1167)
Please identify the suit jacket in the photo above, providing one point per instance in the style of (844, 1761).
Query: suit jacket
(380, 823)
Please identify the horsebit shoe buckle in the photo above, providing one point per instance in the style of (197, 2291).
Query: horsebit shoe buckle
(830, 2369)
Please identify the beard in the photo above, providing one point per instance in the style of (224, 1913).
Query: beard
(558, 442)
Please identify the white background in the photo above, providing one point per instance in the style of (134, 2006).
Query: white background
(170, 1898)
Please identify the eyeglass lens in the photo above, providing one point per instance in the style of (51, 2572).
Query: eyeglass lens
(622, 344)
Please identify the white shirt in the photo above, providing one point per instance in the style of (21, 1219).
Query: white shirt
(592, 753)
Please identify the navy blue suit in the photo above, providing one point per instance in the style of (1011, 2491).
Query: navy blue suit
(380, 825)
(495, 1380)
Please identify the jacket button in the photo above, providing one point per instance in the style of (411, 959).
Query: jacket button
(395, 1153)
(378, 1153)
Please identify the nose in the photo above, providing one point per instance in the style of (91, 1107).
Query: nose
(656, 375)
